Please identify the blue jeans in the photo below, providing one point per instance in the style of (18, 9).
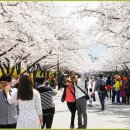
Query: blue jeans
(102, 100)
(117, 96)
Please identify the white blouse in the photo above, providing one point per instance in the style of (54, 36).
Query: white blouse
(29, 110)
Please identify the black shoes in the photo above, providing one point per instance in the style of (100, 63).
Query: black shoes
(71, 127)
(81, 127)
(102, 109)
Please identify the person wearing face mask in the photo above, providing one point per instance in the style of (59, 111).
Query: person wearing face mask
(8, 112)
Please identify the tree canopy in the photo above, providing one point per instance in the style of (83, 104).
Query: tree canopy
(64, 32)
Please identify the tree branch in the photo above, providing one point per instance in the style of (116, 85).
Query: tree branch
(4, 11)
(43, 57)
(10, 49)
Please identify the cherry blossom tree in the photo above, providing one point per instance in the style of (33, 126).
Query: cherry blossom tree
(59, 33)
(112, 30)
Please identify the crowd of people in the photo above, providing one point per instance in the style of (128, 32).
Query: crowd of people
(116, 88)
(24, 106)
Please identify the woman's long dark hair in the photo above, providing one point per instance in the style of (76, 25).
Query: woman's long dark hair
(25, 89)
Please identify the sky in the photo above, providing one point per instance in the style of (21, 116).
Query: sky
(98, 50)
(83, 24)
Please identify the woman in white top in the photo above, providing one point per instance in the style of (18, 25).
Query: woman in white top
(29, 103)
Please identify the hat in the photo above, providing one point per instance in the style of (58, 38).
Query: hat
(125, 79)
(6, 77)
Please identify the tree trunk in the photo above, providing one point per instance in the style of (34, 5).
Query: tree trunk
(44, 73)
(58, 74)
(2, 69)
(8, 68)
(48, 74)
(43, 57)
(127, 68)
(18, 68)
(41, 72)
(12, 70)
(34, 76)
(54, 74)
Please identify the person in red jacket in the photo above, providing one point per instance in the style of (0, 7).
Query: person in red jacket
(71, 102)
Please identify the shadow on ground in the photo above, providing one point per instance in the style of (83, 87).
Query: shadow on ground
(120, 111)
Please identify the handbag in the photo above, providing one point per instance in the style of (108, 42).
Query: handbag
(93, 96)
(86, 95)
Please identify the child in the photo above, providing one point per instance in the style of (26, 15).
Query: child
(90, 97)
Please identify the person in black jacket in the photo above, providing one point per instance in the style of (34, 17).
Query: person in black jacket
(69, 96)
(64, 85)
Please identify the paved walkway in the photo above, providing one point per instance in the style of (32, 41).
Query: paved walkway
(115, 116)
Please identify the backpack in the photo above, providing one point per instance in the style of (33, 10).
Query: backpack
(102, 88)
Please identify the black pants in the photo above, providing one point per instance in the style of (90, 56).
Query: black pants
(102, 100)
(113, 95)
(127, 97)
(123, 99)
(72, 108)
(8, 126)
(47, 120)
